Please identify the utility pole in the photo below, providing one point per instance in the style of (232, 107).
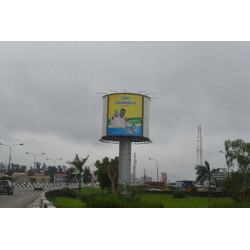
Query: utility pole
(144, 177)
(134, 168)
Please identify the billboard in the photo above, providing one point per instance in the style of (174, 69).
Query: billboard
(164, 177)
(125, 114)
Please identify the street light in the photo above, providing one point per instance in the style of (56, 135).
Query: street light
(35, 155)
(226, 162)
(54, 160)
(10, 147)
(157, 167)
(54, 164)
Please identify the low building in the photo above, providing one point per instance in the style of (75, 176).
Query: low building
(186, 185)
(60, 178)
(20, 177)
(155, 184)
(146, 179)
(42, 178)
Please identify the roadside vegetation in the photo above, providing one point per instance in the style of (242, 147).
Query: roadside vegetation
(93, 198)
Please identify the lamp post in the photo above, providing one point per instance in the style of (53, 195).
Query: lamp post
(54, 165)
(226, 162)
(54, 160)
(157, 168)
(10, 147)
(35, 155)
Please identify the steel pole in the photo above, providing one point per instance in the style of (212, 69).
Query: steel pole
(9, 162)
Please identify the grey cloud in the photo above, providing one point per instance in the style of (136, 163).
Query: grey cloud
(50, 88)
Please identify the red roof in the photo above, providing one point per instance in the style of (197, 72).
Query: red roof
(60, 175)
(19, 173)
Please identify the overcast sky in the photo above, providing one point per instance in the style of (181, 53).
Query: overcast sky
(49, 101)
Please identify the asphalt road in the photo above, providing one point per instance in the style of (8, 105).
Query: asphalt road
(20, 199)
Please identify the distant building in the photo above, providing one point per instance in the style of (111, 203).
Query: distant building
(186, 185)
(60, 178)
(42, 178)
(147, 179)
(218, 178)
(20, 177)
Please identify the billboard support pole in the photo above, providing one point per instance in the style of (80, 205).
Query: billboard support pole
(124, 171)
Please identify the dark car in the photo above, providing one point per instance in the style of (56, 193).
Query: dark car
(38, 187)
(6, 187)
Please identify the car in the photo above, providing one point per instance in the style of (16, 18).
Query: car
(154, 189)
(7, 187)
(38, 187)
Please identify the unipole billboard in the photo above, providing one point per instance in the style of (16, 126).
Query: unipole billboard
(125, 120)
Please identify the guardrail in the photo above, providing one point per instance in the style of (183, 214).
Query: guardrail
(47, 185)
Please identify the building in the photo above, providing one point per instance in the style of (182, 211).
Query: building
(60, 178)
(147, 179)
(218, 178)
(186, 185)
(20, 177)
(42, 178)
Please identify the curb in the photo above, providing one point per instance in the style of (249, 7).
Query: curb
(41, 202)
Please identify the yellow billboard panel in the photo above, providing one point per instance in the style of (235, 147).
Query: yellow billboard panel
(125, 114)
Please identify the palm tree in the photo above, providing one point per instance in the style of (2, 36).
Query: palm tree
(70, 172)
(113, 171)
(205, 173)
(78, 163)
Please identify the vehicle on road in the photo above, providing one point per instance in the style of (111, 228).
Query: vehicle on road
(6, 187)
(38, 187)
(154, 189)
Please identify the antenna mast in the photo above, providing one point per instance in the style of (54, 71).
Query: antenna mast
(199, 147)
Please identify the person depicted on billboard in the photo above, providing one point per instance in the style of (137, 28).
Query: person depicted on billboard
(119, 120)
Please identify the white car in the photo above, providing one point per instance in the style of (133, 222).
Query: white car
(38, 187)
(154, 189)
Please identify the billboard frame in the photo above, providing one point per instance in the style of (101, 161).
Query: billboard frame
(133, 138)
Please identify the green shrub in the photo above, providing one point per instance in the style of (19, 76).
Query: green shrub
(117, 201)
(229, 204)
(179, 195)
(67, 192)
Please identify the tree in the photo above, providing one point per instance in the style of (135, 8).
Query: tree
(70, 172)
(205, 173)
(3, 167)
(87, 176)
(113, 172)
(238, 152)
(38, 167)
(234, 185)
(44, 169)
(102, 174)
(78, 163)
(107, 173)
(60, 170)
(51, 171)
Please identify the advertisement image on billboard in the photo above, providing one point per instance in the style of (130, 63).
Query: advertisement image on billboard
(125, 115)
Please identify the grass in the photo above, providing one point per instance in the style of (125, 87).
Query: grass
(188, 202)
(166, 199)
(65, 202)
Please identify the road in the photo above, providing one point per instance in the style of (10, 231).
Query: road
(20, 199)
